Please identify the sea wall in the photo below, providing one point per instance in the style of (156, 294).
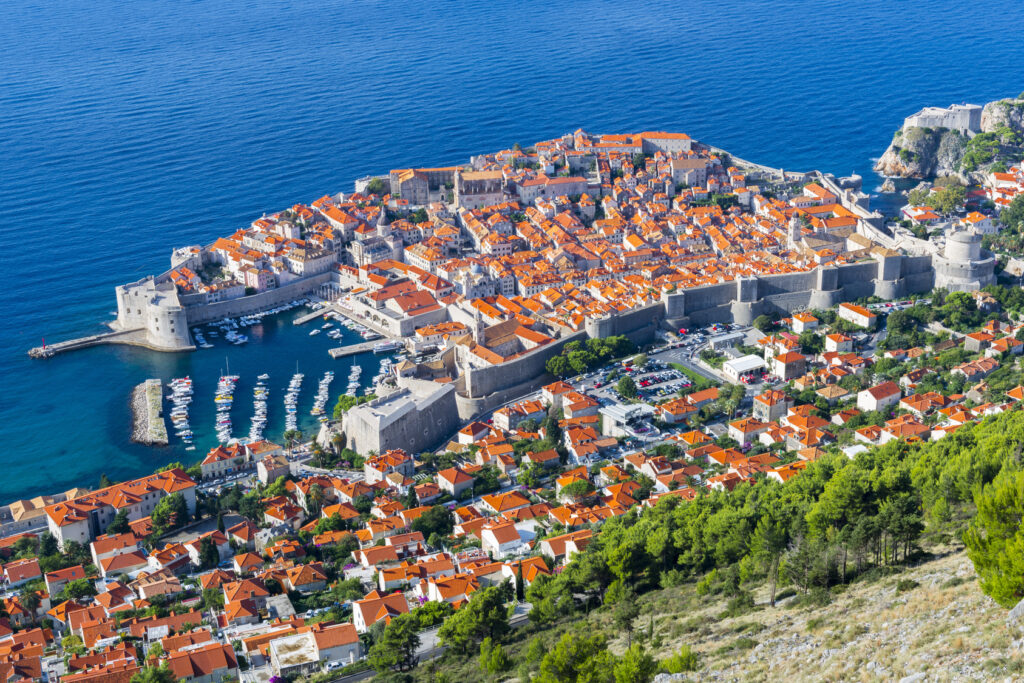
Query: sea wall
(198, 313)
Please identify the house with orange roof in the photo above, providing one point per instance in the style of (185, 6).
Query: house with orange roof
(501, 538)
(803, 322)
(454, 481)
(784, 473)
(56, 580)
(565, 546)
(771, 405)
(838, 342)
(789, 365)
(879, 397)
(455, 590)
(76, 519)
(499, 503)
(747, 429)
(378, 467)
(377, 606)
(306, 578)
(858, 315)
(20, 572)
(209, 663)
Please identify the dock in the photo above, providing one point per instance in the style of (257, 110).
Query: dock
(312, 315)
(127, 337)
(352, 349)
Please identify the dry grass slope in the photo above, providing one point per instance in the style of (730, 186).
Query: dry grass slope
(931, 622)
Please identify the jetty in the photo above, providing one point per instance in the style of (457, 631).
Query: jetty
(352, 349)
(148, 425)
(312, 315)
(127, 337)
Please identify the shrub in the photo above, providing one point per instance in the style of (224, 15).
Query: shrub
(684, 660)
(904, 585)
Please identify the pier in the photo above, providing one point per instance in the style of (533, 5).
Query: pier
(312, 315)
(129, 337)
(352, 349)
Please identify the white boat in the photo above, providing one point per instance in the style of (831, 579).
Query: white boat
(387, 346)
(314, 332)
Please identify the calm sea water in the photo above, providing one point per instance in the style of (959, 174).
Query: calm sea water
(129, 128)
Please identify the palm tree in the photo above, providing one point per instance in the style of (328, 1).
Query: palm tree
(314, 499)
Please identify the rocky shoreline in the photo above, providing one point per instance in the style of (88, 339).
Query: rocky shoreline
(148, 426)
(923, 153)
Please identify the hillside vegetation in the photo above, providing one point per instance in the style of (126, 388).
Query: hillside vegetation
(865, 553)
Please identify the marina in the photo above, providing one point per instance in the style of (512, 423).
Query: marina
(322, 395)
(180, 399)
(224, 399)
(259, 413)
(291, 400)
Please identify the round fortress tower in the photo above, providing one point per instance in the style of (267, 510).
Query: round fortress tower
(963, 266)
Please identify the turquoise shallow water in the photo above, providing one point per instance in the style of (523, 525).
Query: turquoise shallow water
(129, 128)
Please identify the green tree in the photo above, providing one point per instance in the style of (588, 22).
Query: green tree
(635, 666)
(119, 525)
(377, 186)
(558, 366)
(995, 538)
(208, 555)
(493, 658)
(29, 599)
(154, 674)
(485, 616)
(396, 647)
(624, 614)
(72, 645)
(430, 614)
(169, 514)
(768, 545)
(48, 544)
(79, 588)
(626, 387)
(582, 658)
(315, 500)
(811, 343)
(437, 520)
(581, 488)
(763, 323)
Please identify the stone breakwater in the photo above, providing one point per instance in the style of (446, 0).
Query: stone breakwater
(148, 426)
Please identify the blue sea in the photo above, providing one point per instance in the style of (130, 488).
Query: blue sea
(129, 128)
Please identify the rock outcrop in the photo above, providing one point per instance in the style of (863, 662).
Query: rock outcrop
(922, 153)
(930, 152)
(1008, 113)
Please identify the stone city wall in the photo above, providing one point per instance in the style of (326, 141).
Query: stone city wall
(202, 313)
(480, 382)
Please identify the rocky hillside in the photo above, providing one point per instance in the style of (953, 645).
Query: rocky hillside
(1007, 113)
(927, 153)
(928, 623)
(922, 153)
